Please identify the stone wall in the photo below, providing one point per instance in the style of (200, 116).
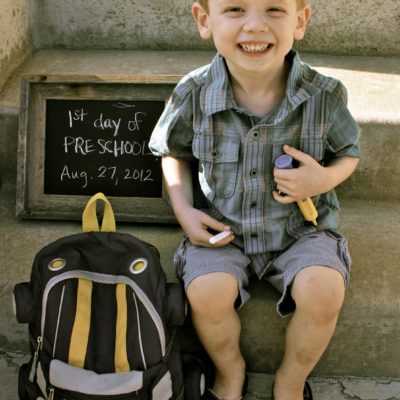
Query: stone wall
(15, 37)
(357, 27)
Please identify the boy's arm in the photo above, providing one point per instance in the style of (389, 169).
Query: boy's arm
(195, 223)
(311, 178)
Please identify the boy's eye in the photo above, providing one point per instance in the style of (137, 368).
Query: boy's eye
(275, 11)
(234, 10)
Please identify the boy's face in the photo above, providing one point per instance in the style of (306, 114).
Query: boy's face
(252, 35)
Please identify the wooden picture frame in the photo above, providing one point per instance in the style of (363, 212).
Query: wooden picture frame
(50, 108)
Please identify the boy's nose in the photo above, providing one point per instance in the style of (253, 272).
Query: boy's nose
(255, 22)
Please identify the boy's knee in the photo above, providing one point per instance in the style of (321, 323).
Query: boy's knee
(212, 294)
(319, 291)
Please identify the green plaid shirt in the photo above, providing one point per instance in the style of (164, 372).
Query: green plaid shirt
(236, 150)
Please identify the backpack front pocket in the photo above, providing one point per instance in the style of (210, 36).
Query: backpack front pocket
(100, 322)
(72, 383)
(70, 378)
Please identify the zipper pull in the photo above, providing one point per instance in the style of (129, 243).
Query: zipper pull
(51, 394)
(35, 358)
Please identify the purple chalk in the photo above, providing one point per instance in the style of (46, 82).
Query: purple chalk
(284, 162)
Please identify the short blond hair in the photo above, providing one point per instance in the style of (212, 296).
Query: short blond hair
(300, 4)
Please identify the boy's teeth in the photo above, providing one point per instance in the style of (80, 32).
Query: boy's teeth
(253, 48)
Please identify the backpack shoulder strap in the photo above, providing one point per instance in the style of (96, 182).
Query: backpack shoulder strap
(90, 222)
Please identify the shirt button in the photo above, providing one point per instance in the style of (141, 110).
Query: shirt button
(253, 204)
(215, 154)
(254, 235)
(256, 135)
(253, 173)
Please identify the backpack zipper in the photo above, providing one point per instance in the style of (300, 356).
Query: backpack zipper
(139, 330)
(107, 279)
(58, 321)
(35, 358)
(170, 343)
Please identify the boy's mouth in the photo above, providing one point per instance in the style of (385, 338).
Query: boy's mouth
(255, 47)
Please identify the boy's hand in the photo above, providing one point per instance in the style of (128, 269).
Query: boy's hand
(197, 226)
(309, 179)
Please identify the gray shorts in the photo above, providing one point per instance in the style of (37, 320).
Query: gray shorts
(320, 248)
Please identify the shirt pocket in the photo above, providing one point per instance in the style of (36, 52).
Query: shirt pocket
(312, 143)
(219, 163)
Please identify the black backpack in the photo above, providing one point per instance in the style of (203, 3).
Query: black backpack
(101, 318)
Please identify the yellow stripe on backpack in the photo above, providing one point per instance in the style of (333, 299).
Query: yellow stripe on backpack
(81, 328)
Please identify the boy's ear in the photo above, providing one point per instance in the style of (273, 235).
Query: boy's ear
(303, 16)
(200, 15)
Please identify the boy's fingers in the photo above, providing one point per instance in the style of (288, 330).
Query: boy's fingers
(282, 199)
(215, 224)
(218, 227)
(296, 154)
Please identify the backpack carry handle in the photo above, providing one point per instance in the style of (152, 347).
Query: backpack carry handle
(90, 223)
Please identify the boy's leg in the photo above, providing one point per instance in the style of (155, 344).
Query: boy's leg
(214, 281)
(212, 298)
(311, 275)
(318, 293)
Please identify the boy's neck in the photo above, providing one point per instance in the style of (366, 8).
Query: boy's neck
(261, 94)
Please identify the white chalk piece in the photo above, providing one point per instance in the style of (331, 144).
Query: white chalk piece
(220, 236)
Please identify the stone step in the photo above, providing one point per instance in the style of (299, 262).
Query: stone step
(366, 340)
(373, 85)
(260, 385)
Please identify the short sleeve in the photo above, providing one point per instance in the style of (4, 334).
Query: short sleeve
(343, 135)
(173, 133)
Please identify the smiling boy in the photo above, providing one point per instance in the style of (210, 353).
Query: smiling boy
(232, 119)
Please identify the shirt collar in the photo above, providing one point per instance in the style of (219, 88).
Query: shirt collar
(300, 87)
(217, 94)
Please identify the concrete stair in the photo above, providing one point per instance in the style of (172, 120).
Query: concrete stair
(366, 341)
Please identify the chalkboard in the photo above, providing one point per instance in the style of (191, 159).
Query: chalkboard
(101, 146)
(80, 138)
